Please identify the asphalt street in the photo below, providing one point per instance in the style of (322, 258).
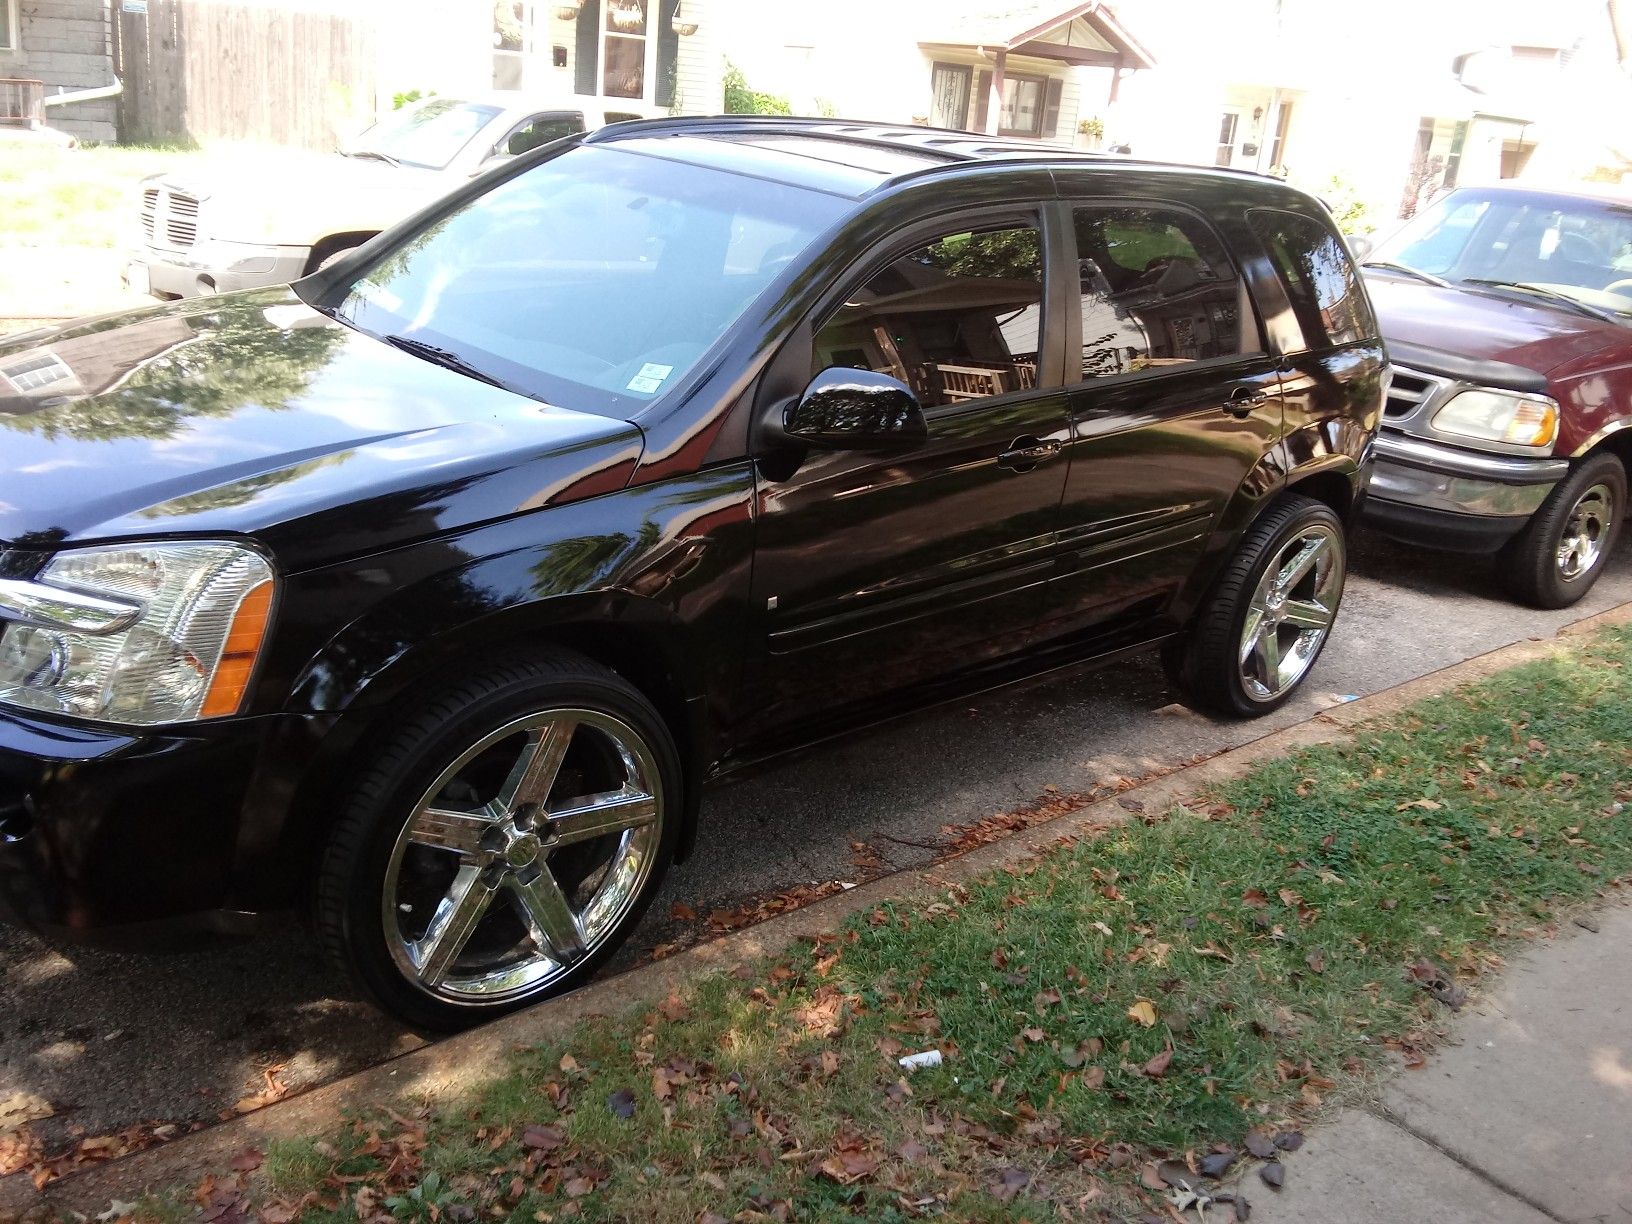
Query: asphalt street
(116, 1040)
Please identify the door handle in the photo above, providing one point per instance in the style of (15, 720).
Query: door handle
(1245, 400)
(1027, 452)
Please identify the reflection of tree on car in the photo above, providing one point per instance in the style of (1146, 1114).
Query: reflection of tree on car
(210, 364)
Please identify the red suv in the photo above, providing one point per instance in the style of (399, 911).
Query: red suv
(1508, 315)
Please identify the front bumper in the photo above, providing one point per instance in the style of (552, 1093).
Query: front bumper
(123, 838)
(1430, 493)
(213, 267)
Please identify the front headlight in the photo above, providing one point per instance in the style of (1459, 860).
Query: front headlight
(1529, 421)
(187, 621)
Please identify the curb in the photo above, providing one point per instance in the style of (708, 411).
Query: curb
(465, 1060)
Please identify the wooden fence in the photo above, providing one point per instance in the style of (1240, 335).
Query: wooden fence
(211, 69)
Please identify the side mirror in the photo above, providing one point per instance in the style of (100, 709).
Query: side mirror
(491, 162)
(846, 409)
(1360, 245)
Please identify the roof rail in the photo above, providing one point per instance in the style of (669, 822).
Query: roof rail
(950, 145)
(881, 135)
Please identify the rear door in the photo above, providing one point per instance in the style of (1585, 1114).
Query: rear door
(876, 571)
(1333, 363)
(1174, 399)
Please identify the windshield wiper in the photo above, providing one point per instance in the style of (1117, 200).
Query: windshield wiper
(375, 154)
(443, 357)
(1552, 295)
(1389, 265)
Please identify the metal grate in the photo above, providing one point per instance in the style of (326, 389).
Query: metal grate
(181, 220)
(169, 218)
(1408, 392)
(150, 212)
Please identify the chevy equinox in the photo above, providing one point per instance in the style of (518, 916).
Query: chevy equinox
(426, 595)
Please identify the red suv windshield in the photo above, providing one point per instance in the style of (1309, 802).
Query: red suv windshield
(1561, 246)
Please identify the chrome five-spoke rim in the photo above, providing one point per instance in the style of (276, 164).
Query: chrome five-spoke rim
(523, 856)
(1291, 612)
(1585, 532)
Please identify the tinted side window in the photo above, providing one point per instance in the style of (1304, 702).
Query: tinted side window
(957, 319)
(1157, 290)
(1320, 280)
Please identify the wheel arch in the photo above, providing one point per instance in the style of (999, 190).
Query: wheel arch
(1333, 485)
(1617, 442)
(330, 243)
(645, 645)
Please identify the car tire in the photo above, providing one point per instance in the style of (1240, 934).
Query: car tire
(502, 843)
(1287, 573)
(332, 256)
(1562, 550)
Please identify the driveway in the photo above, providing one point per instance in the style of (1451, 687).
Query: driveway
(113, 1041)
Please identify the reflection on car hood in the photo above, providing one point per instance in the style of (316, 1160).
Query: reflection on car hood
(1488, 325)
(255, 414)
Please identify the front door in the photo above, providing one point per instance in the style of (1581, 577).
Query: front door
(1175, 401)
(874, 571)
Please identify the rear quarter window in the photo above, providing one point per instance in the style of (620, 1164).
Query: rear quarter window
(1320, 279)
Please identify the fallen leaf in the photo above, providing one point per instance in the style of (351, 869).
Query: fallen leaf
(681, 912)
(1172, 1173)
(17, 1109)
(1157, 1067)
(1011, 1182)
(1316, 961)
(246, 1161)
(1215, 1164)
(1255, 898)
(1273, 1173)
(543, 1138)
(1427, 805)
(1260, 1144)
(1143, 1012)
(621, 1102)
(1289, 1141)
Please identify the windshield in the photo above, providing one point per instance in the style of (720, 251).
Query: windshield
(429, 135)
(1555, 245)
(594, 279)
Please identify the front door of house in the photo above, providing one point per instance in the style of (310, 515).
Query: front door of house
(1229, 134)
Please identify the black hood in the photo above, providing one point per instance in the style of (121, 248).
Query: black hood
(255, 415)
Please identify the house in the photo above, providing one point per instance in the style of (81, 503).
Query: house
(65, 46)
(1033, 69)
(1026, 68)
(304, 72)
(1392, 106)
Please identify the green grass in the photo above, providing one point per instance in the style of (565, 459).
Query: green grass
(76, 197)
(1269, 932)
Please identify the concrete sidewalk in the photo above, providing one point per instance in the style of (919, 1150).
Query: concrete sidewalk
(1526, 1119)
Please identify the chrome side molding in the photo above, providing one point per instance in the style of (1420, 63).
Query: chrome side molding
(49, 607)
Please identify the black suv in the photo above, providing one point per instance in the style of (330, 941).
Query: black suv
(428, 594)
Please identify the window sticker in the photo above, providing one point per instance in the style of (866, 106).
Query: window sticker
(650, 378)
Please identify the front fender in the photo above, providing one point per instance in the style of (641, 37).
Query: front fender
(651, 580)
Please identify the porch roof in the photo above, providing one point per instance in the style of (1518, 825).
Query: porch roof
(1042, 30)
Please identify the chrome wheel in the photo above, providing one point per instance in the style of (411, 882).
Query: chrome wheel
(1291, 612)
(523, 856)
(1585, 531)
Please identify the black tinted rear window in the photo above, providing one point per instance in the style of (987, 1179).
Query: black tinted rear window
(1320, 279)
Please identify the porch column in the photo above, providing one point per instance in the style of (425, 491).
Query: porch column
(1116, 81)
(994, 100)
